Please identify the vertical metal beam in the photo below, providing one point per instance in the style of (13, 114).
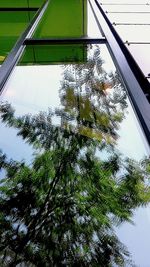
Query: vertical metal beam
(16, 52)
(133, 78)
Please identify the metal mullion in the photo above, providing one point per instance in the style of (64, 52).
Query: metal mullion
(18, 9)
(52, 41)
(123, 4)
(137, 43)
(16, 52)
(130, 24)
(132, 76)
(127, 12)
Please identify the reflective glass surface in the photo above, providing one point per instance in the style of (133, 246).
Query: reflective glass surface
(135, 237)
(126, 8)
(126, 18)
(92, 27)
(130, 18)
(31, 89)
(130, 33)
(75, 167)
(141, 55)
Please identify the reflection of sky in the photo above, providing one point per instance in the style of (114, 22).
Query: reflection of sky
(132, 142)
(135, 237)
(92, 25)
(36, 88)
(142, 55)
(29, 90)
(33, 89)
(39, 85)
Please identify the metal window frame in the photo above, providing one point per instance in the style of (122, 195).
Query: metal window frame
(123, 4)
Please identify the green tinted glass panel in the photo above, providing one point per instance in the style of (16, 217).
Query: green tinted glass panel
(63, 20)
(12, 24)
(13, 3)
(54, 53)
(35, 3)
(21, 3)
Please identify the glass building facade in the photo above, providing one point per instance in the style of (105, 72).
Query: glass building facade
(74, 82)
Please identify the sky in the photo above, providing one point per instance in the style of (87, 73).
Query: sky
(136, 237)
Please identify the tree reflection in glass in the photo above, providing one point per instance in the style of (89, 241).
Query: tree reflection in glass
(93, 98)
(61, 210)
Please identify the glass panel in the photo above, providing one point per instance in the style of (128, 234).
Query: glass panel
(12, 24)
(130, 18)
(78, 179)
(92, 28)
(108, 2)
(127, 8)
(61, 20)
(22, 3)
(14, 3)
(54, 53)
(142, 56)
(131, 33)
(35, 3)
